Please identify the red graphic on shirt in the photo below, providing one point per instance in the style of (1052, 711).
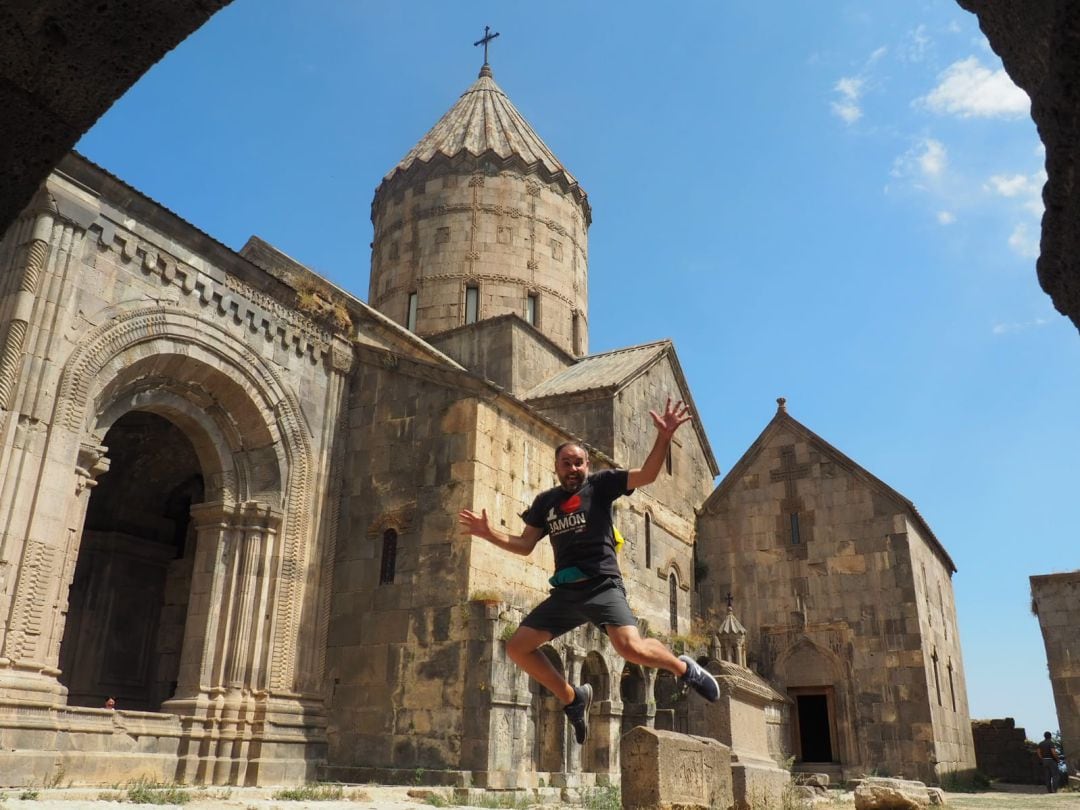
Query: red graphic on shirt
(571, 504)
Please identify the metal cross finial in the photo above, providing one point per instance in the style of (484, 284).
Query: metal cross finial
(730, 599)
(488, 36)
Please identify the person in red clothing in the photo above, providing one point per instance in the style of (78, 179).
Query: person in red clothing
(587, 584)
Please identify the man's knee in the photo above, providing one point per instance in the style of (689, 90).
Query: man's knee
(524, 642)
(627, 644)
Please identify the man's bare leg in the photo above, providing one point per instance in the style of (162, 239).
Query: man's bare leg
(648, 652)
(651, 653)
(524, 650)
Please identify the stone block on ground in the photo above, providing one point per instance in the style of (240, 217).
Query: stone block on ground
(937, 797)
(663, 770)
(878, 793)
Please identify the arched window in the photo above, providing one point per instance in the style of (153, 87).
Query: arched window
(952, 687)
(648, 541)
(673, 601)
(389, 556)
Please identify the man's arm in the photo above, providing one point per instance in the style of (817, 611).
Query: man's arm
(480, 526)
(666, 425)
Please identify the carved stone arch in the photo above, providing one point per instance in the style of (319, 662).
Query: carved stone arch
(804, 651)
(266, 411)
(215, 440)
(818, 681)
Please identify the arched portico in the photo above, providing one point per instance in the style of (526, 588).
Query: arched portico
(238, 673)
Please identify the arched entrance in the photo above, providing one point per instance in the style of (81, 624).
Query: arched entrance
(128, 601)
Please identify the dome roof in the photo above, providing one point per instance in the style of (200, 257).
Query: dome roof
(731, 626)
(485, 122)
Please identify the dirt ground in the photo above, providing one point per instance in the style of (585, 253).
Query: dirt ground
(377, 797)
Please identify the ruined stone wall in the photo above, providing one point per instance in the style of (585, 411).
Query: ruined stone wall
(1056, 601)
(945, 677)
(837, 610)
(1002, 751)
(509, 234)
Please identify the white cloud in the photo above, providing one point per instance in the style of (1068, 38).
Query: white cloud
(918, 43)
(927, 160)
(1007, 328)
(878, 54)
(969, 90)
(1023, 242)
(946, 217)
(1027, 188)
(933, 159)
(847, 108)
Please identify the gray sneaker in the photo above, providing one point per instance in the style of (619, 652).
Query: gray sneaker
(699, 679)
(578, 712)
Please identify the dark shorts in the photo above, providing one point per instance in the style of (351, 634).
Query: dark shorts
(600, 600)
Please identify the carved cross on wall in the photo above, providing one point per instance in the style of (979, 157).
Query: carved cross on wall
(488, 36)
(789, 472)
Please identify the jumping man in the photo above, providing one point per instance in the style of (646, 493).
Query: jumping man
(587, 585)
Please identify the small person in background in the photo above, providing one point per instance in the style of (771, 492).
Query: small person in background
(110, 703)
(1050, 755)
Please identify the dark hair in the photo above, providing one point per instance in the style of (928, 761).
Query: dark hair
(564, 445)
(1047, 735)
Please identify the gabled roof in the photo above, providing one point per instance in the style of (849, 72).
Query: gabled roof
(783, 420)
(600, 372)
(485, 122)
(606, 374)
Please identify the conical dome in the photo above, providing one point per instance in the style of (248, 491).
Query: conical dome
(485, 122)
(481, 220)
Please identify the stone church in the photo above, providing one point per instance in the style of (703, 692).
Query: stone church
(229, 492)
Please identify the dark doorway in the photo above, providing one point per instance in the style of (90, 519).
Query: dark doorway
(815, 739)
(128, 601)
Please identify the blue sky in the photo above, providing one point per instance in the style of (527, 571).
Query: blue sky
(839, 204)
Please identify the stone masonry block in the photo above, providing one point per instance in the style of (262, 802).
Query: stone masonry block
(663, 769)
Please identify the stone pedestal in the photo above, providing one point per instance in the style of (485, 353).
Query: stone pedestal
(662, 769)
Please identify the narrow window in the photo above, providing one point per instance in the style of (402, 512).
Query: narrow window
(576, 332)
(472, 304)
(952, 687)
(937, 678)
(673, 601)
(796, 538)
(667, 460)
(941, 604)
(389, 557)
(410, 316)
(530, 308)
(648, 541)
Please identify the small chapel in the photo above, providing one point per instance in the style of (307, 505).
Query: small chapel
(229, 488)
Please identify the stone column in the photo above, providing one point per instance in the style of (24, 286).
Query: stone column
(31, 646)
(223, 665)
(575, 657)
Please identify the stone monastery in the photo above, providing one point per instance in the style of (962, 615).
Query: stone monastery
(228, 498)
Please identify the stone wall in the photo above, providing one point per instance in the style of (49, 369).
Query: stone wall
(505, 232)
(942, 655)
(115, 306)
(1002, 751)
(832, 608)
(1055, 599)
(505, 350)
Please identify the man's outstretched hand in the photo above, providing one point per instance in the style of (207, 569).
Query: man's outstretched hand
(472, 523)
(672, 417)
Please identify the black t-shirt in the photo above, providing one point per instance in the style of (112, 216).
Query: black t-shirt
(579, 523)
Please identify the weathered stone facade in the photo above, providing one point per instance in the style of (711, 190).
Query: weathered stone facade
(847, 599)
(1003, 751)
(230, 489)
(1055, 599)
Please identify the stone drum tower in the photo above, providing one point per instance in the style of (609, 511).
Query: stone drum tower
(480, 219)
